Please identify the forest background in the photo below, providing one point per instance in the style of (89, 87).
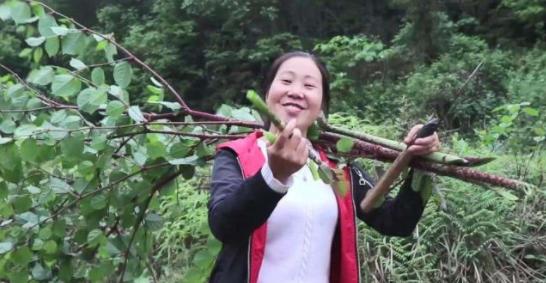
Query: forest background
(73, 207)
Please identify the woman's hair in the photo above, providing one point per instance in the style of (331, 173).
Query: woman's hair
(322, 68)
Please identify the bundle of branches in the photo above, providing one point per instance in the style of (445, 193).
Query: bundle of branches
(365, 145)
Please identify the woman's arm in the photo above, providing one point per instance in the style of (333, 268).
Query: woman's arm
(237, 206)
(394, 216)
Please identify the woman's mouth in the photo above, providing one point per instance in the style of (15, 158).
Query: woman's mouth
(293, 108)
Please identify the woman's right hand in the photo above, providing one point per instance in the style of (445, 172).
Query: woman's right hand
(289, 152)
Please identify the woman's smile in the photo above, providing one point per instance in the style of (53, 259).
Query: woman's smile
(293, 109)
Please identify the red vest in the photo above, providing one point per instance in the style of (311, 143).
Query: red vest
(344, 262)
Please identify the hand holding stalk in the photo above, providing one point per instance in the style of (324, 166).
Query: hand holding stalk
(318, 168)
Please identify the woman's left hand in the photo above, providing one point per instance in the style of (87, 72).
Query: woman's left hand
(422, 146)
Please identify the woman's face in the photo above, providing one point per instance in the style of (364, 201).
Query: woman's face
(296, 92)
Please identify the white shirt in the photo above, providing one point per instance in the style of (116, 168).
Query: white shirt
(300, 230)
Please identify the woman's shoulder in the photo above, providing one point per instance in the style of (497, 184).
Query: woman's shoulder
(242, 143)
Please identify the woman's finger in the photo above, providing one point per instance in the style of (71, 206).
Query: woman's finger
(411, 134)
(285, 134)
(430, 140)
(302, 151)
(294, 140)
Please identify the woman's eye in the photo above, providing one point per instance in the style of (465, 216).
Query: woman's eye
(286, 81)
(309, 86)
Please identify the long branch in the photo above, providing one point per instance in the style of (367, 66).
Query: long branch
(379, 152)
(126, 51)
(369, 150)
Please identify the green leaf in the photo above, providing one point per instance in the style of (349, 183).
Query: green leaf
(20, 12)
(37, 9)
(155, 90)
(344, 144)
(25, 130)
(313, 132)
(97, 76)
(44, 25)
(110, 50)
(5, 247)
(15, 90)
(59, 186)
(40, 273)
(86, 168)
(94, 237)
(5, 12)
(37, 55)
(28, 150)
(52, 46)
(314, 171)
(65, 85)
(73, 43)
(123, 74)
(136, 114)
(43, 76)
(153, 221)
(204, 150)
(98, 202)
(22, 256)
(7, 126)
(115, 109)
(90, 99)
(50, 247)
(26, 52)
(21, 203)
(45, 233)
(35, 41)
(530, 111)
(33, 190)
(10, 163)
(171, 105)
(77, 64)
(190, 160)
(60, 30)
(18, 277)
(72, 147)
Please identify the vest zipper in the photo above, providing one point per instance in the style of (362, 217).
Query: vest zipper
(355, 221)
(361, 180)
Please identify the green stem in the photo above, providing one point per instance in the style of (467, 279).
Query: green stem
(437, 157)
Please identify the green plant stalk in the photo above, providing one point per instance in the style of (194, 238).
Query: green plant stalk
(437, 157)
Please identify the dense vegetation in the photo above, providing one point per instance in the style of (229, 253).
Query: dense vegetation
(91, 188)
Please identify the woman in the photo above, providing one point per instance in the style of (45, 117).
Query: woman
(275, 221)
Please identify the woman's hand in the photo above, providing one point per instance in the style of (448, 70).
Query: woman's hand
(289, 152)
(422, 146)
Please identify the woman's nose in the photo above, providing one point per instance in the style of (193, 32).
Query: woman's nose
(295, 92)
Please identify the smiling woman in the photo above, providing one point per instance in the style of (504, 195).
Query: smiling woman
(275, 221)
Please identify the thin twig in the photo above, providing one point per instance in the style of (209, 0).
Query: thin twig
(157, 186)
(460, 90)
(43, 98)
(130, 55)
(92, 193)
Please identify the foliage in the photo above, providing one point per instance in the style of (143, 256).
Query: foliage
(92, 189)
(80, 183)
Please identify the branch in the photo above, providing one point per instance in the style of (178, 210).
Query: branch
(365, 149)
(157, 186)
(47, 101)
(101, 189)
(130, 55)
(437, 157)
